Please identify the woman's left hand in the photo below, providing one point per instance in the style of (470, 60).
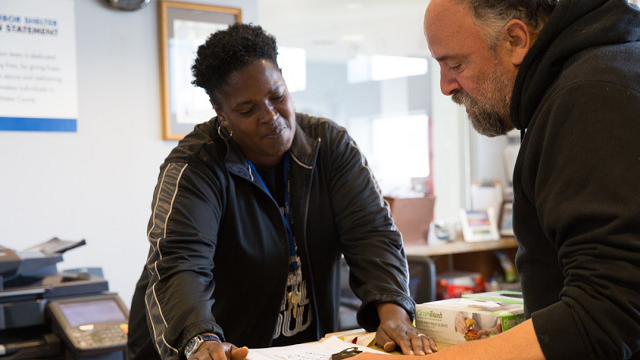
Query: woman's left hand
(396, 328)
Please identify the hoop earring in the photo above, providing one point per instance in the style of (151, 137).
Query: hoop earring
(222, 136)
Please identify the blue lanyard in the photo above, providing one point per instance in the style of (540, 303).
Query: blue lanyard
(286, 216)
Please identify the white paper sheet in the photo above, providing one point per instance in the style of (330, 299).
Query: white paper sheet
(307, 351)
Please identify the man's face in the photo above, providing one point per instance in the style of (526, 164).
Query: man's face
(471, 72)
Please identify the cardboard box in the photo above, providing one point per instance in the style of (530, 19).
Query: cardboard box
(412, 217)
(486, 318)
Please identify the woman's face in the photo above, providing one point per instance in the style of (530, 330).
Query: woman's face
(256, 106)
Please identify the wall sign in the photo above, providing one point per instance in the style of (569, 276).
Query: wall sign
(38, 81)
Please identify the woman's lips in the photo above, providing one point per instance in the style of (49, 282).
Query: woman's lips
(277, 132)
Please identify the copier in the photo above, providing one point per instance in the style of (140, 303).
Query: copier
(47, 314)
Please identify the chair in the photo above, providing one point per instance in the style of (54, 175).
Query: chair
(422, 278)
(422, 288)
(349, 302)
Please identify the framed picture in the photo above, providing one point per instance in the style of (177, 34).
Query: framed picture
(506, 218)
(184, 27)
(479, 225)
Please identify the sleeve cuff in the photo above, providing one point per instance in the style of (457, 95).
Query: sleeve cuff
(558, 334)
(368, 314)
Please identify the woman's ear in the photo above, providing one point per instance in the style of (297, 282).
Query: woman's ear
(219, 113)
(221, 117)
(520, 40)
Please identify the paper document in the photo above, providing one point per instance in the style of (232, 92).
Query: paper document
(308, 351)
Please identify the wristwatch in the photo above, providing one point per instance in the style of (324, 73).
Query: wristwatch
(195, 343)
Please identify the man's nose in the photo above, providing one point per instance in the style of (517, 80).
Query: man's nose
(448, 83)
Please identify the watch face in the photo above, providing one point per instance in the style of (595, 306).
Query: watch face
(128, 4)
(192, 345)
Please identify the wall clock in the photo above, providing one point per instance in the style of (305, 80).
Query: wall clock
(128, 5)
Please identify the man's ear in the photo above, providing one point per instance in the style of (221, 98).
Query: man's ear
(519, 38)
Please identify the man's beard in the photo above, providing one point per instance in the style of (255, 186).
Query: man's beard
(490, 116)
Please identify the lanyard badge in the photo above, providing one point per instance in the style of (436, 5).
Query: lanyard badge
(294, 296)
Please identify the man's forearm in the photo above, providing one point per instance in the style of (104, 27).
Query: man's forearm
(519, 342)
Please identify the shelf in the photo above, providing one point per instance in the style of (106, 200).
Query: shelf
(459, 246)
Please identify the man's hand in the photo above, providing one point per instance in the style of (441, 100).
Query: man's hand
(396, 329)
(211, 350)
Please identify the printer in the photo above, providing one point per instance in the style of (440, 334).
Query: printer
(47, 314)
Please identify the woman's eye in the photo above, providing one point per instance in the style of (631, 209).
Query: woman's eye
(280, 97)
(246, 112)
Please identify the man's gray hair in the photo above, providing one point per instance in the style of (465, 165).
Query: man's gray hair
(492, 15)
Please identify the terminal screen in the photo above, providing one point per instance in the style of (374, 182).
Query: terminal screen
(91, 312)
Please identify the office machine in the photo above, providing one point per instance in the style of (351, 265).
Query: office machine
(47, 314)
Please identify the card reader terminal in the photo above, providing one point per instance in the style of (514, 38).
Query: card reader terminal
(91, 325)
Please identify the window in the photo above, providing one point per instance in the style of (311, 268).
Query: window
(397, 148)
(366, 68)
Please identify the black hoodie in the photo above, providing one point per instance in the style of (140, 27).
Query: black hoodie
(577, 181)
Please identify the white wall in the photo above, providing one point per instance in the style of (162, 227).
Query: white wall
(451, 175)
(97, 184)
(486, 157)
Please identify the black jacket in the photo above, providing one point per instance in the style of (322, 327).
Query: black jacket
(577, 181)
(218, 259)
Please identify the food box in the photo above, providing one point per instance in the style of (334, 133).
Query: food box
(454, 321)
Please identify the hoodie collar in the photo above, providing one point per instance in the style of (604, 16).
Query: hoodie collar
(573, 26)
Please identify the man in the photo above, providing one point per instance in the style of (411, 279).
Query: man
(567, 75)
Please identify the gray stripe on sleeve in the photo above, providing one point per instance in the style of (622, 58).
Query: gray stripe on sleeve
(162, 207)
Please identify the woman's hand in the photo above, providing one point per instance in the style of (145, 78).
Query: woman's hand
(396, 329)
(211, 350)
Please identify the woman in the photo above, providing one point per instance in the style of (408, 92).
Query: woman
(250, 216)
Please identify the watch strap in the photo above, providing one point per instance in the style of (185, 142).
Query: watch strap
(209, 337)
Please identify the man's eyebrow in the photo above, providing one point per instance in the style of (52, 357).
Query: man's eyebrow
(449, 57)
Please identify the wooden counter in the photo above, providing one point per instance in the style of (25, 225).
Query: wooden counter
(460, 246)
(466, 256)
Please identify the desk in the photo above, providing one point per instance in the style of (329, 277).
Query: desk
(468, 256)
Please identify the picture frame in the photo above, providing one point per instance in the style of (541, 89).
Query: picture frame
(184, 27)
(479, 225)
(506, 218)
